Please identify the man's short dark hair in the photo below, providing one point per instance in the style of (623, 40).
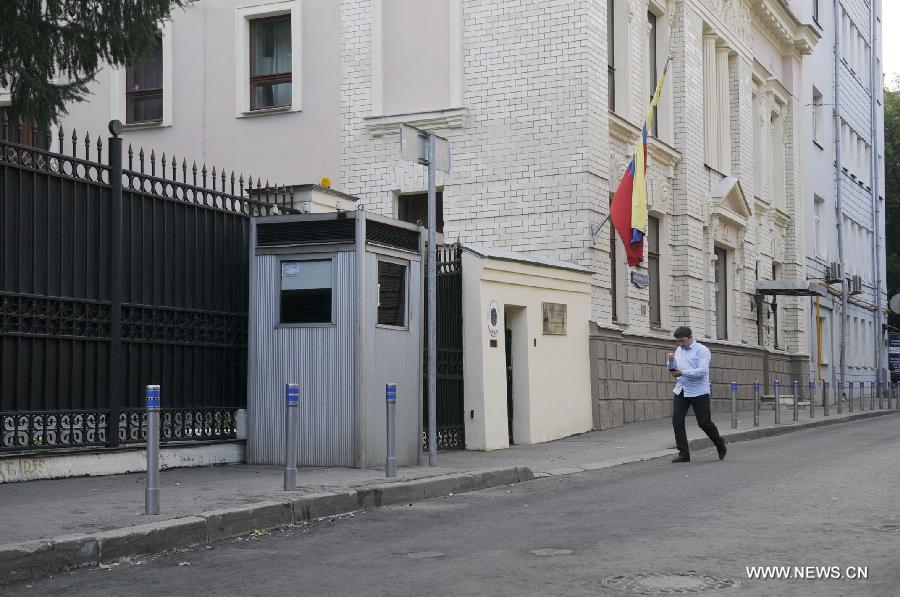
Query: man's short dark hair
(683, 332)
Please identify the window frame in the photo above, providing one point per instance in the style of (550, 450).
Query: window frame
(653, 259)
(149, 92)
(405, 307)
(119, 87)
(818, 116)
(652, 54)
(611, 54)
(721, 291)
(270, 79)
(244, 16)
(304, 257)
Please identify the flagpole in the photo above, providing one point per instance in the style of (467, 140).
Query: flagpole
(594, 233)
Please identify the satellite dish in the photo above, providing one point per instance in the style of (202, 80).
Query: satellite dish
(895, 303)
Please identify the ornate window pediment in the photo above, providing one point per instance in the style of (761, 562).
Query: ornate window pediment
(727, 200)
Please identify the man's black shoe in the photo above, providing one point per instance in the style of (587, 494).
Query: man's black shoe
(681, 458)
(722, 450)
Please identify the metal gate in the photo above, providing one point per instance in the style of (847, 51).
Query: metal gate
(114, 276)
(450, 422)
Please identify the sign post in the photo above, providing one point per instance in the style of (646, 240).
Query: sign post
(432, 151)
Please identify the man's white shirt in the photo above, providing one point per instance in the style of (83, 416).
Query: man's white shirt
(693, 361)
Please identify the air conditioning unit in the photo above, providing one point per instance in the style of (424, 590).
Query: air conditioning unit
(834, 272)
(856, 285)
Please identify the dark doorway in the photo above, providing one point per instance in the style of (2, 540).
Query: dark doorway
(509, 386)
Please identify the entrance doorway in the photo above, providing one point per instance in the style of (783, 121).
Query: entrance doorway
(517, 412)
(509, 386)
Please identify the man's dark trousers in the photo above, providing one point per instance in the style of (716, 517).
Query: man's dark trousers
(680, 407)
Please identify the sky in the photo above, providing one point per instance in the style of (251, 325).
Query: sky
(890, 51)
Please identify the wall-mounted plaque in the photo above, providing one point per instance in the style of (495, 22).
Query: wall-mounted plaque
(554, 318)
(640, 279)
(493, 318)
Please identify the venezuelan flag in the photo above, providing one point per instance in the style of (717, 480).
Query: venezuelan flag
(628, 210)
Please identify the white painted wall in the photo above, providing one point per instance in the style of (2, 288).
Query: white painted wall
(555, 370)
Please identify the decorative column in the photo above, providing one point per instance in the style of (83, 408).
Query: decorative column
(710, 122)
(723, 112)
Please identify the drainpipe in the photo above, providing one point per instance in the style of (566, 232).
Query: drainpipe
(838, 208)
(876, 209)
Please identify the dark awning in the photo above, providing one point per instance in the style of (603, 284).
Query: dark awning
(790, 288)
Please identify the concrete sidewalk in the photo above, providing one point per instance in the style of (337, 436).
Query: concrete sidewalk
(52, 525)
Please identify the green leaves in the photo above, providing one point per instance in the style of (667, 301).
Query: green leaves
(892, 189)
(50, 50)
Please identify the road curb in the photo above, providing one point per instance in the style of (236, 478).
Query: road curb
(789, 427)
(33, 559)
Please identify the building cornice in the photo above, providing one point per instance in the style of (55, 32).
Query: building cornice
(778, 21)
(450, 118)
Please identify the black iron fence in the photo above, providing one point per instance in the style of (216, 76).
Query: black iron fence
(449, 339)
(114, 276)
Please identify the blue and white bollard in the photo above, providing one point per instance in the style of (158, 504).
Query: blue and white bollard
(291, 435)
(796, 400)
(151, 493)
(840, 395)
(734, 405)
(390, 401)
(812, 399)
(777, 384)
(756, 404)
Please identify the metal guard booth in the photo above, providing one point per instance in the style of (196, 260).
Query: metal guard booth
(335, 306)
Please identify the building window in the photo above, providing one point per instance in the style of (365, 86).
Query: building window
(613, 268)
(611, 53)
(414, 209)
(144, 87)
(721, 291)
(652, 68)
(268, 58)
(391, 294)
(818, 115)
(653, 267)
(777, 159)
(306, 291)
(270, 62)
(819, 209)
(757, 147)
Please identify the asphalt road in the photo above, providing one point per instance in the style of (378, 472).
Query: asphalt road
(826, 497)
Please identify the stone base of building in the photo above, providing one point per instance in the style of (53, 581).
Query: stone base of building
(630, 382)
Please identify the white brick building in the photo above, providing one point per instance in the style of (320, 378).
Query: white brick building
(542, 103)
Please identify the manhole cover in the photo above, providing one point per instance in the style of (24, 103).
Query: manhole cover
(664, 583)
(421, 555)
(551, 552)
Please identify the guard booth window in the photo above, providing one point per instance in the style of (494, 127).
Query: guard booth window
(306, 291)
(391, 294)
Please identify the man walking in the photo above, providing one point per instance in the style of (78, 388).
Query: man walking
(691, 369)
